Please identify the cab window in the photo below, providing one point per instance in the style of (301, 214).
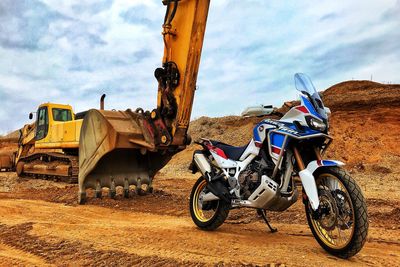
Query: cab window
(60, 114)
(42, 123)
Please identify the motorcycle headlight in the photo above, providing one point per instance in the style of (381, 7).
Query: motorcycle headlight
(316, 124)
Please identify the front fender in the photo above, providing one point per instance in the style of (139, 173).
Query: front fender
(308, 179)
(315, 164)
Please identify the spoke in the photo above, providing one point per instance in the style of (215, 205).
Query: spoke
(324, 183)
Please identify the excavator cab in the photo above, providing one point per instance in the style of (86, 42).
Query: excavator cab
(48, 148)
(56, 127)
(123, 148)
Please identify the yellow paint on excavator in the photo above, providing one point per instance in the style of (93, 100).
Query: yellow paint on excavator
(48, 147)
(122, 148)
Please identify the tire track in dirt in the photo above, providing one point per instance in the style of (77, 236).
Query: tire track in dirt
(64, 252)
(10, 256)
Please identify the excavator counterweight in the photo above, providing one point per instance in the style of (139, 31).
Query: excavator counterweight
(123, 148)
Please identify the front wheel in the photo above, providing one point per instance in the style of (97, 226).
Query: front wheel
(206, 215)
(340, 225)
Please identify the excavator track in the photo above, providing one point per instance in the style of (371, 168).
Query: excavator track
(50, 166)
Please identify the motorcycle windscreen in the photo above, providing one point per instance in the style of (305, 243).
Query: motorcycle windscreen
(304, 85)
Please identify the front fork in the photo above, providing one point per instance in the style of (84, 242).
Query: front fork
(307, 178)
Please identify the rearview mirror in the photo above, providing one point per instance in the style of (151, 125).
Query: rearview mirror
(30, 115)
(328, 111)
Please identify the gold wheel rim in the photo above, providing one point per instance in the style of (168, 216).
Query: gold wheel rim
(198, 212)
(336, 238)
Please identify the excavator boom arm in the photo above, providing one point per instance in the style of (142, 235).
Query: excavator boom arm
(183, 33)
(123, 148)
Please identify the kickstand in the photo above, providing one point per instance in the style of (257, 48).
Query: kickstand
(264, 216)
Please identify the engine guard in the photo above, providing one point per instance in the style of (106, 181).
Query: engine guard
(308, 179)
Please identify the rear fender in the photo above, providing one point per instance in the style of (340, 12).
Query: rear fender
(308, 179)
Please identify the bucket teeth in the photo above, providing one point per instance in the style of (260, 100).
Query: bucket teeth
(149, 188)
(98, 191)
(81, 198)
(112, 192)
(138, 188)
(126, 188)
(143, 185)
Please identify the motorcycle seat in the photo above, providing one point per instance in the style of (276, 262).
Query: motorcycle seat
(232, 152)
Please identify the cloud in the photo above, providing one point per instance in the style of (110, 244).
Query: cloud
(23, 23)
(91, 7)
(138, 15)
(329, 16)
(74, 51)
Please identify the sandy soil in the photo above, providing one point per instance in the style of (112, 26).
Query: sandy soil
(41, 224)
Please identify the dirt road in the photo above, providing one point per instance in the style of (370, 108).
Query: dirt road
(46, 227)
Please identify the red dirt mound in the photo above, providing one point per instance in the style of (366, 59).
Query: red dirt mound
(364, 124)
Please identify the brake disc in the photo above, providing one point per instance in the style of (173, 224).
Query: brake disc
(329, 217)
(344, 212)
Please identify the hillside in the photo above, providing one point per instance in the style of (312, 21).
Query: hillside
(363, 123)
(11, 137)
(354, 95)
(42, 224)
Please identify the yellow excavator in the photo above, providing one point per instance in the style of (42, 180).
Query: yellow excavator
(48, 148)
(123, 148)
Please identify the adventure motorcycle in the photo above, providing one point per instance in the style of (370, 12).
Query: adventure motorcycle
(261, 175)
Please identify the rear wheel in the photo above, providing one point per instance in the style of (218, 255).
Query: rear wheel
(340, 224)
(206, 215)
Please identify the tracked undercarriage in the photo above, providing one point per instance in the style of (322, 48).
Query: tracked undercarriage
(50, 166)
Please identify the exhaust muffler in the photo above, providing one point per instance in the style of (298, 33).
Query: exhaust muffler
(202, 164)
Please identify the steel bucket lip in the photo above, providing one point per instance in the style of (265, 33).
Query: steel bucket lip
(103, 131)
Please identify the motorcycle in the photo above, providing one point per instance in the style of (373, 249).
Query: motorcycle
(262, 175)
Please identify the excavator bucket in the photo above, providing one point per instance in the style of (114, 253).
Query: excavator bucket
(118, 148)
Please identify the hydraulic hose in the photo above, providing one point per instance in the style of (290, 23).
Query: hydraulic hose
(167, 21)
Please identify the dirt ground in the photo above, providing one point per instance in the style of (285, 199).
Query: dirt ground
(41, 225)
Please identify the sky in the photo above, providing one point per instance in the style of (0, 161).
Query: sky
(74, 51)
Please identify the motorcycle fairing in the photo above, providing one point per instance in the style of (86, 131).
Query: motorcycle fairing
(309, 108)
(300, 112)
(276, 131)
(276, 144)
